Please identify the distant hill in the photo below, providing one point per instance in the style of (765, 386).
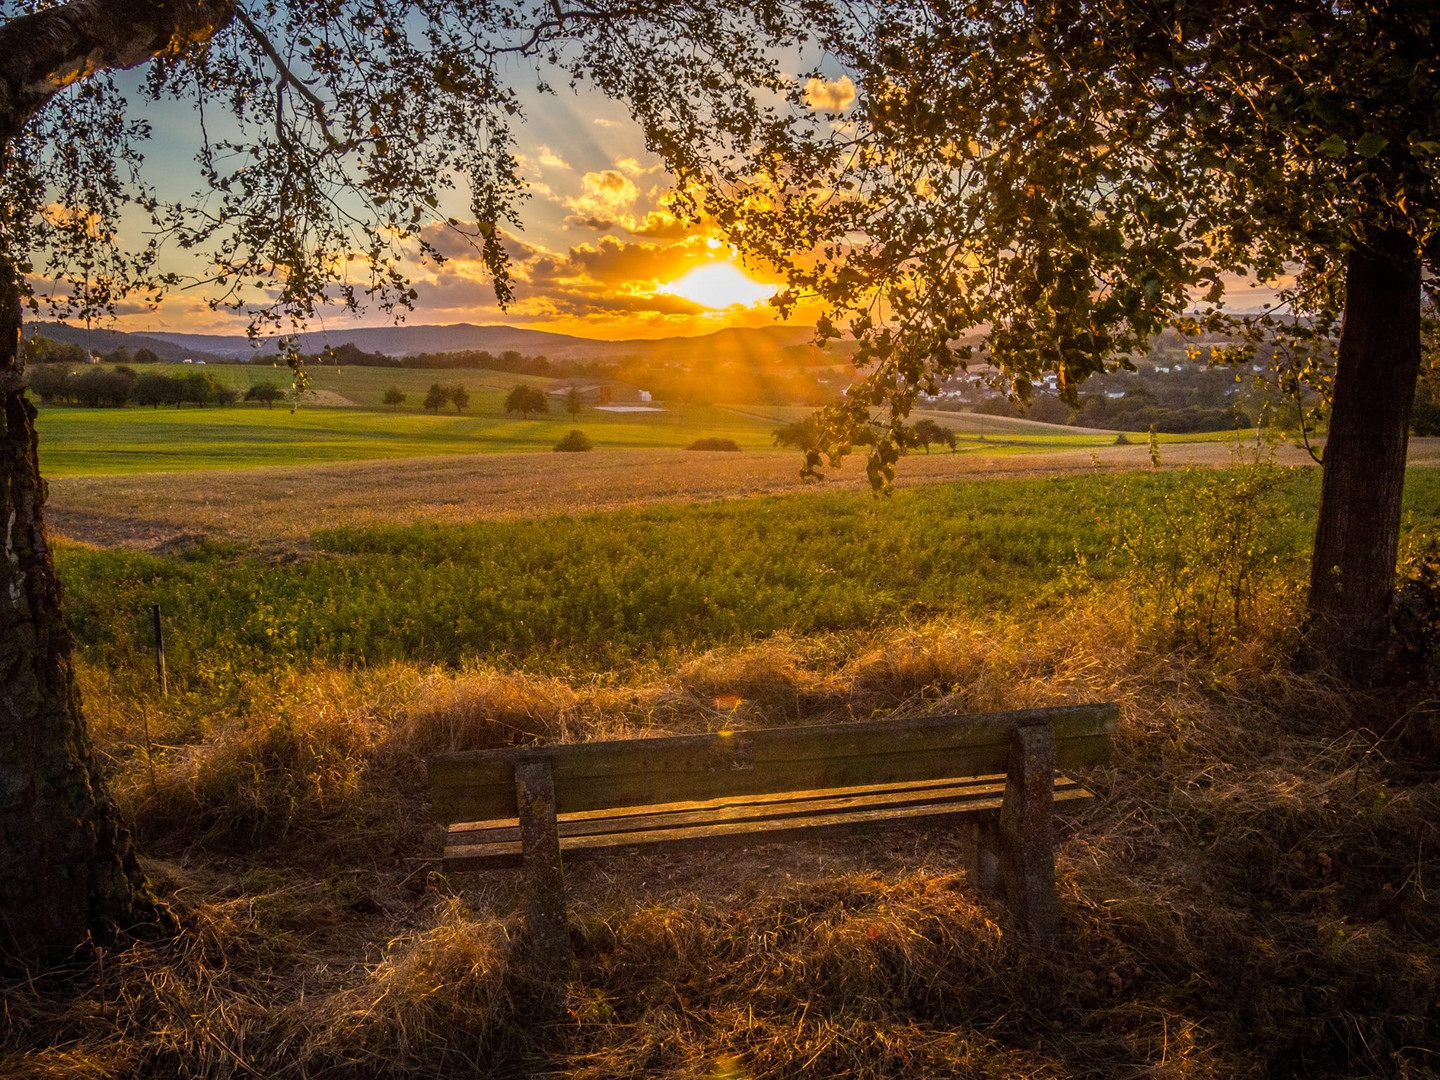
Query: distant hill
(768, 344)
(104, 341)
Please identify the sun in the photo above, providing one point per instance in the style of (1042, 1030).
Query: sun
(719, 285)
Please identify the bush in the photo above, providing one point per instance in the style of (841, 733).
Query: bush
(714, 444)
(575, 443)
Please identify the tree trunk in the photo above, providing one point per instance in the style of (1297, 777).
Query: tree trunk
(67, 870)
(1352, 574)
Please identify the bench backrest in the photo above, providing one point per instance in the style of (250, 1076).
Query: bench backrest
(479, 785)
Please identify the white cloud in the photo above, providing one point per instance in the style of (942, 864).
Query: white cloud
(830, 95)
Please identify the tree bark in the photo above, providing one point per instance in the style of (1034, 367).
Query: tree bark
(68, 872)
(1357, 537)
(67, 869)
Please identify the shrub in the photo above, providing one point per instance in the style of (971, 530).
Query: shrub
(714, 444)
(394, 397)
(574, 443)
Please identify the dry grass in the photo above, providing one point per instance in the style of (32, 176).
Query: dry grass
(1251, 895)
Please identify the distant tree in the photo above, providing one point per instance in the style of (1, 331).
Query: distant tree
(51, 381)
(927, 431)
(576, 442)
(118, 355)
(97, 387)
(460, 397)
(145, 356)
(574, 404)
(156, 390)
(266, 392)
(438, 397)
(525, 400)
(802, 434)
(226, 395)
(394, 397)
(201, 388)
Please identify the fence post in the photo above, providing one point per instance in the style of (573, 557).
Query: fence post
(159, 650)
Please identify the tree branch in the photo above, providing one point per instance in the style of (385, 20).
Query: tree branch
(288, 77)
(42, 53)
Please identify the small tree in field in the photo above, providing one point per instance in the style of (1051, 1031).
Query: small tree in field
(460, 396)
(927, 431)
(526, 400)
(265, 392)
(394, 397)
(437, 398)
(574, 404)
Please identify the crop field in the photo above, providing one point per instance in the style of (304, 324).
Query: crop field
(280, 506)
(601, 588)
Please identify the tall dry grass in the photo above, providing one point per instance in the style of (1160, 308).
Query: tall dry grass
(1252, 894)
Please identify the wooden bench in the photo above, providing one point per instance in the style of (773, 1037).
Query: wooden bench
(526, 807)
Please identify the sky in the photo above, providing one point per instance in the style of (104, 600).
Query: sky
(598, 255)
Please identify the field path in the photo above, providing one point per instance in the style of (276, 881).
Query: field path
(282, 506)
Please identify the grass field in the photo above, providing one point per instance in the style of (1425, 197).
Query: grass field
(78, 441)
(599, 589)
(345, 421)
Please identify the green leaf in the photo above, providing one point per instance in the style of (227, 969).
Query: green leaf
(1334, 146)
(1370, 144)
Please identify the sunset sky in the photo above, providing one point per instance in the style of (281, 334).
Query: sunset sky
(599, 255)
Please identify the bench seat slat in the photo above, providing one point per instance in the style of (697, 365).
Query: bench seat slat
(495, 844)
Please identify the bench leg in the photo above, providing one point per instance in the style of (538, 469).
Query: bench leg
(1027, 836)
(984, 857)
(544, 875)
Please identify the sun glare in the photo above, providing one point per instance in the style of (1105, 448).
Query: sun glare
(720, 285)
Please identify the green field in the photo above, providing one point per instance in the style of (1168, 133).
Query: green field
(84, 441)
(601, 588)
(76, 440)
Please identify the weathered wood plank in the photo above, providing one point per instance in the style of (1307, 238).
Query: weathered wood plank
(778, 798)
(592, 776)
(736, 834)
(672, 815)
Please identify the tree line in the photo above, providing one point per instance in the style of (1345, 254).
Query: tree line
(468, 359)
(120, 386)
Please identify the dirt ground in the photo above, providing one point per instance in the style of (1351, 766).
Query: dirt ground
(282, 506)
